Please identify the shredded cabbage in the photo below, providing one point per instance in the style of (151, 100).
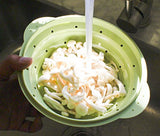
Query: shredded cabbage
(77, 84)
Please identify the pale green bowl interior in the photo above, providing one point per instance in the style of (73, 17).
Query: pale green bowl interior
(120, 49)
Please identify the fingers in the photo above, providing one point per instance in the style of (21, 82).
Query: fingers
(11, 64)
(25, 126)
(31, 126)
(26, 120)
(36, 125)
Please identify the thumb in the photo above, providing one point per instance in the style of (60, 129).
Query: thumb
(11, 64)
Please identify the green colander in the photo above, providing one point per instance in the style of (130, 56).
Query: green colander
(44, 35)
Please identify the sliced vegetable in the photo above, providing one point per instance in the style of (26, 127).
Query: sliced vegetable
(79, 85)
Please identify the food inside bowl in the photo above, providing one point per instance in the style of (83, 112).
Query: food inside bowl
(78, 85)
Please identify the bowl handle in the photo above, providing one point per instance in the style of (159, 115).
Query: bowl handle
(139, 105)
(35, 25)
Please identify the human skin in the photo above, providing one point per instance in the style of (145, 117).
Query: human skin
(14, 108)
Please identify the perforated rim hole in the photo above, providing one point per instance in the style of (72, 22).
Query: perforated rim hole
(101, 31)
(52, 31)
(76, 26)
(34, 46)
(121, 45)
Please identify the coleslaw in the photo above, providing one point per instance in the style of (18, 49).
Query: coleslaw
(78, 85)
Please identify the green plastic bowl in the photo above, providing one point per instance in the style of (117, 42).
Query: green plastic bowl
(44, 35)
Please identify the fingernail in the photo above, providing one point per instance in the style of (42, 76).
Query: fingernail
(25, 60)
